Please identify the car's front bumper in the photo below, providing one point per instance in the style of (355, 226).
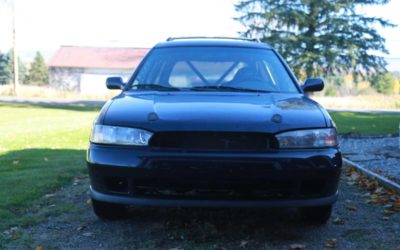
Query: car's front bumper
(146, 201)
(203, 179)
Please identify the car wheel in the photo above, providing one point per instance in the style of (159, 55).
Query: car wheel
(317, 215)
(108, 211)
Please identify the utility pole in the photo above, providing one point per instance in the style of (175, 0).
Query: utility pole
(15, 50)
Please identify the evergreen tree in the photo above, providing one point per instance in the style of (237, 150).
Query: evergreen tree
(5, 70)
(38, 73)
(21, 68)
(318, 37)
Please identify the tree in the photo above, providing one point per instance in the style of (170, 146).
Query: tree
(5, 70)
(38, 73)
(318, 36)
(385, 83)
(21, 68)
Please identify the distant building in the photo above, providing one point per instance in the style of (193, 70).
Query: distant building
(85, 69)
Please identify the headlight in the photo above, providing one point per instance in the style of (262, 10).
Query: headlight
(313, 138)
(120, 135)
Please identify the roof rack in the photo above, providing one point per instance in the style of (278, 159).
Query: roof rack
(213, 37)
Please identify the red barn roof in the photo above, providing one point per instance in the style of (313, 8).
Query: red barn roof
(96, 57)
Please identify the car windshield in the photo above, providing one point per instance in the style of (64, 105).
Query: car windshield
(213, 69)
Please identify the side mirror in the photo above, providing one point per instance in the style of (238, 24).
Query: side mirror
(115, 83)
(313, 84)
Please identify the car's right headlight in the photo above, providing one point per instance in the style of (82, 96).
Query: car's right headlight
(120, 135)
(310, 138)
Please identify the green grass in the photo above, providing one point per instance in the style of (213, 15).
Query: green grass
(41, 149)
(366, 124)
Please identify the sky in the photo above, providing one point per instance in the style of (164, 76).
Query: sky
(45, 25)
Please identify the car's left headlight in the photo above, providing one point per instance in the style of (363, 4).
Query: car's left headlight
(120, 135)
(312, 138)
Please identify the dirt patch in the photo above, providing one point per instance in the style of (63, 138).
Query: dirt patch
(67, 222)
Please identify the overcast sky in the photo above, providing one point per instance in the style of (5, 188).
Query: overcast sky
(45, 25)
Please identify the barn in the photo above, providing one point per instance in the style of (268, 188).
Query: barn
(85, 69)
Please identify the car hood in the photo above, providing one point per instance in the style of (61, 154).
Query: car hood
(214, 111)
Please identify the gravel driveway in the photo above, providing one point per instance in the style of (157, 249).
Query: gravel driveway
(381, 154)
(68, 223)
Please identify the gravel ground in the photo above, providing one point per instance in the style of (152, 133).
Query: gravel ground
(68, 223)
(374, 153)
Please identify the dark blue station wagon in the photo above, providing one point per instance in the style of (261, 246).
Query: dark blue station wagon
(214, 122)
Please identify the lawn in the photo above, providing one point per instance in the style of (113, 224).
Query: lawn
(366, 123)
(43, 147)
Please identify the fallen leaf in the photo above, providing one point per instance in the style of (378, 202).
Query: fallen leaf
(38, 248)
(45, 159)
(388, 199)
(354, 176)
(374, 198)
(331, 243)
(297, 246)
(243, 243)
(15, 162)
(10, 230)
(388, 212)
(379, 190)
(49, 195)
(338, 221)
(351, 208)
(88, 234)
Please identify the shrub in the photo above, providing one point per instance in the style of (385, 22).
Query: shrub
(385, 83)
(330, 90)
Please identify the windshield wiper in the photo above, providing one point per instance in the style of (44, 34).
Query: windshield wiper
(229, 88)
(154, 87)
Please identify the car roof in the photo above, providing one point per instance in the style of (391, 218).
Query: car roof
(212, 41)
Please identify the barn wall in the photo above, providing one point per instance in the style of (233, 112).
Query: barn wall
(65, 78)
(93, 80)
(86, 80)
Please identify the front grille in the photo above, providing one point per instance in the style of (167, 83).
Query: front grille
(214, 141)
(196, 178)
(250, 189)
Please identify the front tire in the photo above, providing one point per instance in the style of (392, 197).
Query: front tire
(108, 211)
(317, 215)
